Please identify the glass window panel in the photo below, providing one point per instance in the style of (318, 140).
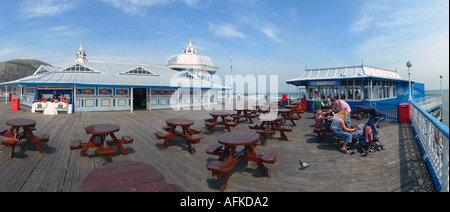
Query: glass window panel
(313, 74)
(336, 92)
(340, 72)
(350, 93)
(350, 72)
(357, 93)
(343, 92)
(375, 92)
(322, 74)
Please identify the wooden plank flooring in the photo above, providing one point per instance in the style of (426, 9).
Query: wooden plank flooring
(398, 168)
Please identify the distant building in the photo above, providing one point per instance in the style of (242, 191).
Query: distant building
(189, 61)
(90, 85)
(358, 86)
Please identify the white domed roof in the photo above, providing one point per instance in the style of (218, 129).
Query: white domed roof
(189, 57)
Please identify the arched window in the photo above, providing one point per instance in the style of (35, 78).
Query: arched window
(140, 71)
(78, 68)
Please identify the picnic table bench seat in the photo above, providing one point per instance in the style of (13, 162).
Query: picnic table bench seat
(161, 135)
(75, 144)
(126, 139)
(269, 157)
(193, 138)
(232, 124)
(288, 128)
(218, 168)
(214, 149)
(253, 126)
(43, 138)
(3, 131)
(106, 151)
(195, 131)
(10, 141)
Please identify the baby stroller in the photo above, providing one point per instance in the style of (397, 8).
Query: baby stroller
(369, 139)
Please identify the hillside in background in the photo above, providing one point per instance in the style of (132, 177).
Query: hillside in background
(16, 69)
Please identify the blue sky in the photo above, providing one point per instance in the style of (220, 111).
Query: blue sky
(265, 36)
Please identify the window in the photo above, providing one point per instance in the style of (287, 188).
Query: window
(41, 71)
(140, 71)
(185, 74)
(336, 92)
(358, 93)
(78, 68)
(343, 91)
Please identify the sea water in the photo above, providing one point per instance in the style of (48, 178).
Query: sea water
(445, 106)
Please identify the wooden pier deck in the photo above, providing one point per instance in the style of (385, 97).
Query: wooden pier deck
(398, 168)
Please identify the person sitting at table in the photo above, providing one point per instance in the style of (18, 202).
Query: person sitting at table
(319, 119)
(339, 129)
(329, 103)
(338, 107)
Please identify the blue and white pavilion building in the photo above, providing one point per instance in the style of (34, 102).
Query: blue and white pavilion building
(92, 85)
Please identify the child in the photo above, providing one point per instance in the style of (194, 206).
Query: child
(319, 119)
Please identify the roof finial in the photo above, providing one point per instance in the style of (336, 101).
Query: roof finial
(190, 39)
(81, 55)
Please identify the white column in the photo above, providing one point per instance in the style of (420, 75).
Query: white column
(132, 100)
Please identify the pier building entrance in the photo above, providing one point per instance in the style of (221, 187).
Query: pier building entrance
(139, 99)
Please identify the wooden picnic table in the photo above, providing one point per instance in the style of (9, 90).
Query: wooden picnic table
(126, 176)
(270, 123)
(98, 140)
(191, 136)
(287, 114)
(228, 142)
(13, 136)
(294, 110)
(243, 113)
(358, 112)
(212, 123)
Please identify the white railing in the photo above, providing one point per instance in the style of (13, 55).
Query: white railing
(432, 137)
(429, 102)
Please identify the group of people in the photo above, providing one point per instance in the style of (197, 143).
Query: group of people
(340, 125)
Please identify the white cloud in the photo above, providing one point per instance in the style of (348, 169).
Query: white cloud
(138, 7)
(271, 33)
(226, 30)
(362, 24)
(45, 8)
(398, 31)
(267, 28)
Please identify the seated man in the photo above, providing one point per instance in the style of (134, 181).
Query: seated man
(338, 128)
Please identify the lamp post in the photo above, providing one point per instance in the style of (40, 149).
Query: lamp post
(408, 64)
(441, 84)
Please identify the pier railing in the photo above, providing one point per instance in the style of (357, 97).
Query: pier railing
(387, 108)
(432, 137)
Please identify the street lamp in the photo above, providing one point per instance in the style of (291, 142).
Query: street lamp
(441, 82)
(408, 64)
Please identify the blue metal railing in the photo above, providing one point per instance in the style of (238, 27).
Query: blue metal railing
(388, 108)
(432, 137)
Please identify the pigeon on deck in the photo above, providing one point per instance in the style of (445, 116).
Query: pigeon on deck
(304, 165)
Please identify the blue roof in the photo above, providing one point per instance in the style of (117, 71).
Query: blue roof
(343, 73)
(116, 74)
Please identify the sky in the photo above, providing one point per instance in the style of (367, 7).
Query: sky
(265, 37)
